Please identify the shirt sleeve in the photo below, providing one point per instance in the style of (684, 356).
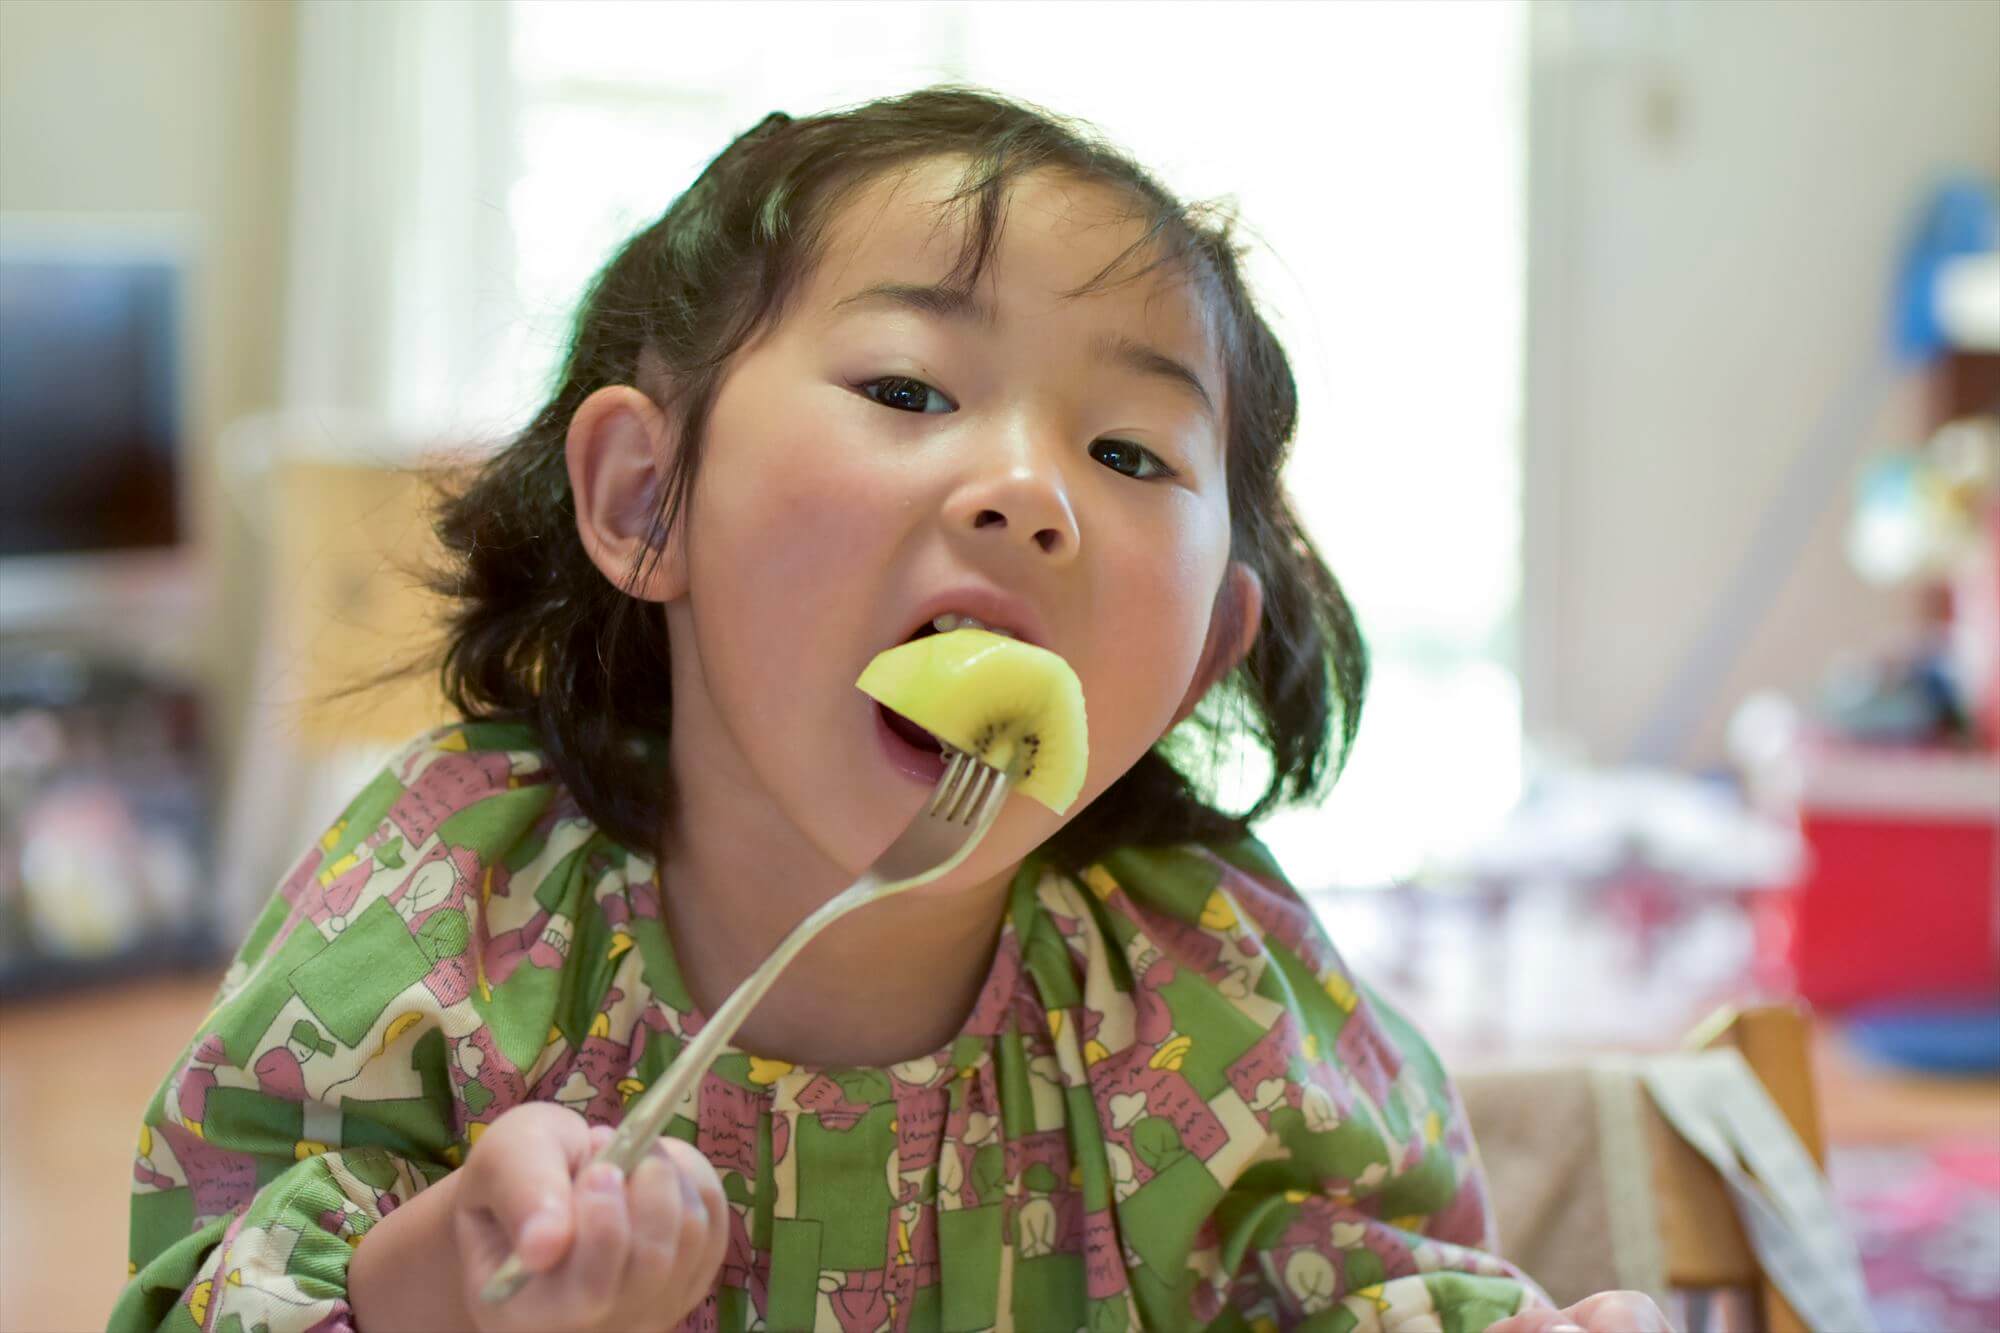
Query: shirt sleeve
(340, 1071)
(1366, 1209)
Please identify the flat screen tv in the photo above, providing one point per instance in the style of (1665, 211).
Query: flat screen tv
(90, 421)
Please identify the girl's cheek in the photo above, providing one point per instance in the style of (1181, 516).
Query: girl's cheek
(1144, 660)
(805, 512)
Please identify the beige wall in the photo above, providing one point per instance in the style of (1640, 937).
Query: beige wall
(116, 108)
(1718, 196)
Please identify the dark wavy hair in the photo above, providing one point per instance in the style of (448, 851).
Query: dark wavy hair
(534, 632)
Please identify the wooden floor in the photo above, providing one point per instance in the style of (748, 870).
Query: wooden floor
(76, 1072)
(1867, 1103)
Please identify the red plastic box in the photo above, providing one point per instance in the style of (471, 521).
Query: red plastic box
(1901, 897)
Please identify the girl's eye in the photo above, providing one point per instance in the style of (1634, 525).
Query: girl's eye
(1124, 457)
(913, 395)
(903, 393)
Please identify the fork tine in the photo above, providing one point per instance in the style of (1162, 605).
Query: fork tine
(981, 791)
(955, 809)
(978, 793)
(953, 783)
(968, 777)
(994, 795)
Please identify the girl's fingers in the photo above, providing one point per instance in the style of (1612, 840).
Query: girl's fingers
(1537, 1319)
(595, 1269)
(1606, 1312)
(654, 1197)
(705, 1216)
(1618, 1312)
(709, 1262)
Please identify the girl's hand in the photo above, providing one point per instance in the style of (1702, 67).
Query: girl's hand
(619, 1254)
(1606, 1312)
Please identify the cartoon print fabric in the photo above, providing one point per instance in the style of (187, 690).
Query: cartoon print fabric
(1170, 1108)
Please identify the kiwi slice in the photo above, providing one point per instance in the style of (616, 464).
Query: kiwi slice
(1008, 703)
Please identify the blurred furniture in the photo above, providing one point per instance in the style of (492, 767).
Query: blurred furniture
(105, 765)
(1901, 900)
(1704, 1242)
(1594, 1188)
(105, 470)
(351, 551)
(350, 546)
(104, 818)
(1570, 962)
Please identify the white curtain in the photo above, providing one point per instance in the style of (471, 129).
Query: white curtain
(400, 298)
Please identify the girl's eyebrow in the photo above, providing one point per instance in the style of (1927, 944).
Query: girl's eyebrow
(959, 306)
(954, 304)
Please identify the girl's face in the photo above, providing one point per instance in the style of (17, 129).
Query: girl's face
(1040, 464)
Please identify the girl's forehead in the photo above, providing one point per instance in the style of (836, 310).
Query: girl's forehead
(1055, 233)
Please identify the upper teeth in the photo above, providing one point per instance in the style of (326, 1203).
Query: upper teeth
(951, 620)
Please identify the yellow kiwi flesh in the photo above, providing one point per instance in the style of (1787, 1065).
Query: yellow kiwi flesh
(1008, 703)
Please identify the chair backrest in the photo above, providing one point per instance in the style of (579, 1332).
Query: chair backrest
(349, 542)
(1594, 1189)
(1702, 1242)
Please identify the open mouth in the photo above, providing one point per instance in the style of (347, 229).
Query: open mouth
(909, 732)
(901, 727)
(910, 749)
(915, 751)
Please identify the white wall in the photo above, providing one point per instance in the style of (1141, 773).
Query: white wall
(133, 108)
(1718, 194)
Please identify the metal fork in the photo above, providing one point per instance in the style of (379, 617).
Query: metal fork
(962, 807)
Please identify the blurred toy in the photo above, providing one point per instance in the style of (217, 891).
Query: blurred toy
(103, 822)
(1927, 516)
(1919, 512)
(1960, 222)
(82, 871)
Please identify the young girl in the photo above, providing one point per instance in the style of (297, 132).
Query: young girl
(941, 355)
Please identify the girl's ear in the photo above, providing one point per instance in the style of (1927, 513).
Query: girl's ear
(1232, 628)
(619, 452)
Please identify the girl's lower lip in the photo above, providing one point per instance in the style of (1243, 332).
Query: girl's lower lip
(918, 765)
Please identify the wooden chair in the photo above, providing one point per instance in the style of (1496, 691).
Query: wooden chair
(348, 601)
(1703, 1246)
(1593, 1185)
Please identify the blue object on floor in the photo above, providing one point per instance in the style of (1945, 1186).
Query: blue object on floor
(1936, 1038)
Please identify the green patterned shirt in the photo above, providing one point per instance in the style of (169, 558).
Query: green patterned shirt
(1171, 1107)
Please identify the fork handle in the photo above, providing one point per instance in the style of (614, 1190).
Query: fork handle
(648, 1116)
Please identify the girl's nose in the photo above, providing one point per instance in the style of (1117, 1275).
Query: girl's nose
(1025, 506)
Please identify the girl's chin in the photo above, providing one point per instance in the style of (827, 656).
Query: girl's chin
(1014, 835)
